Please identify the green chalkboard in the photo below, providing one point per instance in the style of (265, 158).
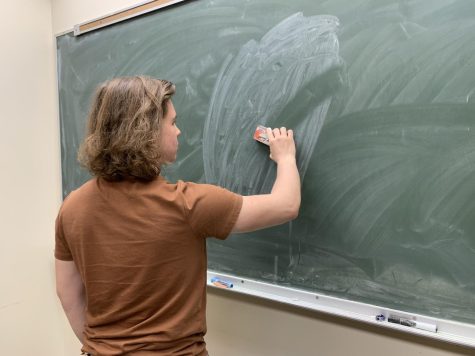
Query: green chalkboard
(381, 95)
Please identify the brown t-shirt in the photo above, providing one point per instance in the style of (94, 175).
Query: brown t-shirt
(141, 251)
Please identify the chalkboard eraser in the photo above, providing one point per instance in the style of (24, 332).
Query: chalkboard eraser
(260, 135)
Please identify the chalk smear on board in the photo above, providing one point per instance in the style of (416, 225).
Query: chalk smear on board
(285, 79)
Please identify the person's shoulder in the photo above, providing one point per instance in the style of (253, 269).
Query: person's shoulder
(181, 185)
(190, 187)
(190, 190)
(204, 191)
(78, 194)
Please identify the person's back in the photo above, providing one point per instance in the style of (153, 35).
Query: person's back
(130, 246)
(140, 250)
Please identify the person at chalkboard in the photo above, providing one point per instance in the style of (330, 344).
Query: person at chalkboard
(130, 246)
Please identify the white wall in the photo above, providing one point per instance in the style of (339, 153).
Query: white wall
(67, 13)
(29, 180)
(30, 320)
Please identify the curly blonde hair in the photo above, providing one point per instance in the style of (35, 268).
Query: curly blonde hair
(122, 139)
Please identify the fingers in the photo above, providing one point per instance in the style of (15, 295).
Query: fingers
(269, 132)
(281, 142)
(276, 132)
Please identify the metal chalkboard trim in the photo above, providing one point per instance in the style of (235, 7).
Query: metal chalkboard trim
(447, 330)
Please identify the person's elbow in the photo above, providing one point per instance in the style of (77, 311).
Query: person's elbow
(294, 213)
(70, 298)
(291, 211)
(63, 296)
(69, 286)
(286, 209)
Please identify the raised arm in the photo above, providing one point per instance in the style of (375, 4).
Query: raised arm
(283, 203)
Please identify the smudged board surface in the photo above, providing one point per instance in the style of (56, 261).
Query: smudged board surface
(381, 98)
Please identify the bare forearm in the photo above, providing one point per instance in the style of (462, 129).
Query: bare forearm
(286, 188)
(283, 203)
(278, 207)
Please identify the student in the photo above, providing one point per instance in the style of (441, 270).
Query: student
(130, 246)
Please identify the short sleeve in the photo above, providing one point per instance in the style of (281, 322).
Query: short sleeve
(211, 211)
(61, 249)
